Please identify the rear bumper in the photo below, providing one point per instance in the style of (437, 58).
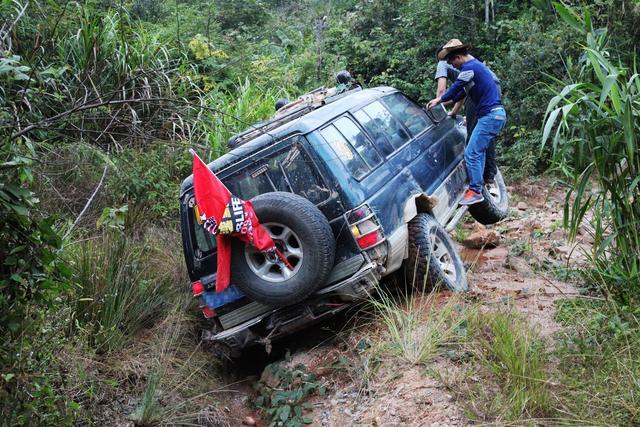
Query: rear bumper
(282, 321)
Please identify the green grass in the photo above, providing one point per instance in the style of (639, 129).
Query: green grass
(599, 362)
(124, 284)
(416, 327)
(508, 364)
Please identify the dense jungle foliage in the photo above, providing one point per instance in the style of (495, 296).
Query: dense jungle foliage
(100, 101)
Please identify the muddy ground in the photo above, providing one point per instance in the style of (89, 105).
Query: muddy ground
(528, 269)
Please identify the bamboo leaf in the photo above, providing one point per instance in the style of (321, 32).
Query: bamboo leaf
(549, 125)
(595, 64)
(605, 244)
(629, 131)
(569, 16)
(608, 84)
(587, 20)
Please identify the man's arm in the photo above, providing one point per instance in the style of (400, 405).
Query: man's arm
(457, 90)
(456, 108)
(442, 86)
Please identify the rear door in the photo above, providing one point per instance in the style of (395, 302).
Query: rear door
(287, 166)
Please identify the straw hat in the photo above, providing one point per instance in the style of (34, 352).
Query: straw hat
(452, 45)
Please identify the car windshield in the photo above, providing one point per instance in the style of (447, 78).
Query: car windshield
(290, 169)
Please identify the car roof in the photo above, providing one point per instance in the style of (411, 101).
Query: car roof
(301, 125)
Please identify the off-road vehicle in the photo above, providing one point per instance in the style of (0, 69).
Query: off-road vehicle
(353, 185)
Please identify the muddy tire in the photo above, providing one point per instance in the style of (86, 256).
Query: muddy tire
(495, 206)
(433, 258)
(303, 235)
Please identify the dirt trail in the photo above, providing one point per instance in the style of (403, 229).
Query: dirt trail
(526, 270)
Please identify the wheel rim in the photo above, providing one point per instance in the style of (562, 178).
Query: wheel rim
(494, 191)
(288, 243)
(440, 252)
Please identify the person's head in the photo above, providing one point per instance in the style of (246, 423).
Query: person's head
(458, 57)
(438, 53)
(281, 103)
(454, 52)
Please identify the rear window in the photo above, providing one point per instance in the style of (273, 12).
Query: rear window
(290, 169)
(411, 116)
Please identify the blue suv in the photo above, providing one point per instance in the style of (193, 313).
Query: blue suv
(353, 185)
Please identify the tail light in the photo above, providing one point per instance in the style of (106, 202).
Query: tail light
(197, 288)
(364, 226)
(208, 312)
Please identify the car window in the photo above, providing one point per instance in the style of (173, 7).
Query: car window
(289, 170)
(345, 152)
(375, 131)
(359, 141)
(382, 121)
(411, 116)
(205, 241)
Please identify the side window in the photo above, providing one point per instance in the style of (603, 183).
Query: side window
(345, 152)
(411, 116)
(301, 175)
(383, 122)
(376, 131)
(359, 141)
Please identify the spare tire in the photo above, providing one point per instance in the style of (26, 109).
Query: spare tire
(495, 205)
(303, 235)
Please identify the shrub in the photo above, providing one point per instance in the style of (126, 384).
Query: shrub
(32, 281)
(593, 124)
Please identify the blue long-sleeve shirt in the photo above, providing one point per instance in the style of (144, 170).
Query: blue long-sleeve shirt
(476, 81)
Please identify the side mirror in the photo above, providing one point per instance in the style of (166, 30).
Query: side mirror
(436, 114)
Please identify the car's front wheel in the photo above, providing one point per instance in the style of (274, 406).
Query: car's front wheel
(433, 258)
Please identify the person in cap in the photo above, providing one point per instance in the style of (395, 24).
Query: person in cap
(444, 72)
(477, 82)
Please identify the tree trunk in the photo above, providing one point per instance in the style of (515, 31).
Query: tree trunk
(487, 5)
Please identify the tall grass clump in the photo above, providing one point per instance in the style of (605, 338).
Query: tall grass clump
(121, 289)
(505, 378)
(599, 365)
(593, 123)
(418, 326)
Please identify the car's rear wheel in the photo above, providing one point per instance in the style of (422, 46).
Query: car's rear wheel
(495, 206)
(302, 234)
(433, 258)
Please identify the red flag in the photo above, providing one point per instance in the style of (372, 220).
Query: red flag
(225, 215)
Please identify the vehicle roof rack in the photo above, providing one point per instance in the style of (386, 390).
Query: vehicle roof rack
(304, 104)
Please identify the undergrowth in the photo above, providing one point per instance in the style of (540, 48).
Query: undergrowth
(283, 391)
(599, 361)
(416, 326)
(119, 292)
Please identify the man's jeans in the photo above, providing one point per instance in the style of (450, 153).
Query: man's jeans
(485, 131)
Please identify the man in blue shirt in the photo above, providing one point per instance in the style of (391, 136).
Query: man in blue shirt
(477, 82)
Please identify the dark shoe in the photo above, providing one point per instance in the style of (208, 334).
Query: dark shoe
(471, 198)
